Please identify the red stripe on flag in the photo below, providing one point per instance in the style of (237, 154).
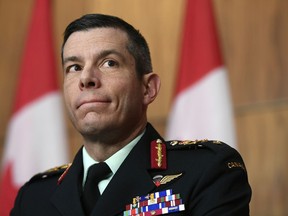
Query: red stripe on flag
(7, 193)
(200, 51)
(38, 69)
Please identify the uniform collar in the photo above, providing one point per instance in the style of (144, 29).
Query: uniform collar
(113, 162)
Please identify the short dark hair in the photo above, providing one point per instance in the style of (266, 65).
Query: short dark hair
(137, 45)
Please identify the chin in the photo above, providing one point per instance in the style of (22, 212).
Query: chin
(89, 131)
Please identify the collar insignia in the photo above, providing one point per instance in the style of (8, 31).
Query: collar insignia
(158, 155)
(66, 167)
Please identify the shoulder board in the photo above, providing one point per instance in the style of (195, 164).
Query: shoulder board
(190, 144)
(56, 171)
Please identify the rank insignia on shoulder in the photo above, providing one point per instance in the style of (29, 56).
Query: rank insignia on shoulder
(217, 142)
(59, 170)
(64, 174)
(190, 144)
(186, 144)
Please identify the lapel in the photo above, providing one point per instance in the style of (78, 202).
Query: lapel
(67, 196)
(131, 179)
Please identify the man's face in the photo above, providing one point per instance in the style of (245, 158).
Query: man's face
(101, 88)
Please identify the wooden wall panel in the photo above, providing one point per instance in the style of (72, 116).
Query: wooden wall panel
(263, 142)
(254, 41)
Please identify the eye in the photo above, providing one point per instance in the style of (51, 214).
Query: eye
(73, 68)
(110, 63)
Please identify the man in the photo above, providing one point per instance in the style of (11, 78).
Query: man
(108, 85)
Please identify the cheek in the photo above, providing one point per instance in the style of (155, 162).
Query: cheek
(127, 89)
(68, 91)
(68, 98)
(133, 97)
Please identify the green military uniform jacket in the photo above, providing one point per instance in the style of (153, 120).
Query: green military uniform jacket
(209, 176)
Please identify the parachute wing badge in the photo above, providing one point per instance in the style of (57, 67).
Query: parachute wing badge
(160, 180)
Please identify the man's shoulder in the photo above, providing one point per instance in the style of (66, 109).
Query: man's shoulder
(207, 152)
(203, 147)
(55, 172)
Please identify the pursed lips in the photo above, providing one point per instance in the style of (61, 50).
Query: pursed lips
(94, 101)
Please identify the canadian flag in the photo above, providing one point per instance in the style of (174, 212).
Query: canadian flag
(202, 107)
(36, 137)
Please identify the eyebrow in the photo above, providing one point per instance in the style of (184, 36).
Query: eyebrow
(105, 53)
(72, 59)
(100, 55)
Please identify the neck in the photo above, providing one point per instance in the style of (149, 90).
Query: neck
(102, 149)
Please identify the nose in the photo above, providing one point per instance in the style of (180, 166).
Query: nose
(89, 79)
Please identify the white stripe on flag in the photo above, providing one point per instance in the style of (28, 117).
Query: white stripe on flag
(203, 111)
(36, 138)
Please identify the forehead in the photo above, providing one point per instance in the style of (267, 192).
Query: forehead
(95, 39)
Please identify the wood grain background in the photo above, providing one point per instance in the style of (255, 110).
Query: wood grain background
(253, 36)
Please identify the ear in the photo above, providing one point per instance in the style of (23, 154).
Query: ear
(151, 85)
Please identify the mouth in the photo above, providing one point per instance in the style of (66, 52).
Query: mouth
(93, 102)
